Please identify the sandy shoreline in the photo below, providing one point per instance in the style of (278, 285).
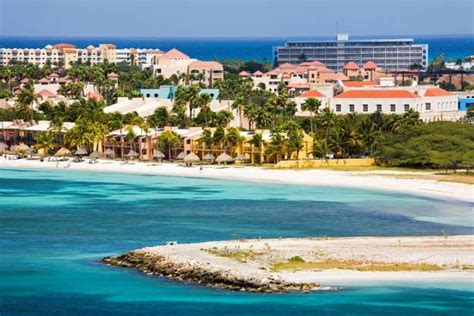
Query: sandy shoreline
(320, 177)
(454, 255)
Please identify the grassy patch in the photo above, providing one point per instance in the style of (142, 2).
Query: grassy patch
(292, 265)
(242, 255)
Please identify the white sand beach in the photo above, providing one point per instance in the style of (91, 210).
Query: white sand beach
(254, 259)
(375, 180)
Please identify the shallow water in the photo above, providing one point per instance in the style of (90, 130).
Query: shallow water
(55, 226)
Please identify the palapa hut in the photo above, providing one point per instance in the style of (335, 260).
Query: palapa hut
(241, 158)
(22, 149)
(81, 152)
(209, 157)
(181, 156)
(3, 147)
(158, 155)
(63, 152)
(109, 153)
(224, 157)
(132, 154)
(190, 158)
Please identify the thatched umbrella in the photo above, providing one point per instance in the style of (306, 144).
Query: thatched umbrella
(190, 158)
(241, 158)
(63, 152)
(209, 157)
(21, 149)
(109, 153)
(81, 152)
(132, 154)
(3, 147)
(224, 157)
(158, 155)
(94, 155)
(181, 155)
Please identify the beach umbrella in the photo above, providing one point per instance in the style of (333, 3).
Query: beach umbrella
(132, 154)
(63, 152)
(191, 157)
(81, 152)
(241, 158)
(21, 149)
(209, 157)
(224, 158)
(109, 153)
(181, 155)
(158, 155)
(94, 155)
(3, 147)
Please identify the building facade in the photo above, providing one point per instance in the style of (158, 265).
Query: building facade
(390, 54)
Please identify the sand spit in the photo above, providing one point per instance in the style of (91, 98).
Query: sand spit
(306, 264)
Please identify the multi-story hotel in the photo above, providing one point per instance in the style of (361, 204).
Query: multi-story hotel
(390, 54)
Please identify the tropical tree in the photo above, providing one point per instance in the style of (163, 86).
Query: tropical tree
(45, 142)
(26, 100)
(168, 142)
(312, 105)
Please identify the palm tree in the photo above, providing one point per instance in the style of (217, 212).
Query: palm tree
(168, 141)
(219, 137)
(26, 99)
(233, 138)
(276, 148)
(206, 138)
(239, 105)
(257, 141)
(45, 142)
(202, 101)
(159, 119)
(223, 118)
(312, 105)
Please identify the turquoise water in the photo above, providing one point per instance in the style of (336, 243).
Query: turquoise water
(56, 225)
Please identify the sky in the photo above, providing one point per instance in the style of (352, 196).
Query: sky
(234, 18)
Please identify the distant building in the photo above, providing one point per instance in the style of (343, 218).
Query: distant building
(389, 54)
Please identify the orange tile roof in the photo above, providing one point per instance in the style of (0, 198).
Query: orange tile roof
(243, 73)
(287, 65)
(257, 73)
(377, 94)
(64, 45)
(436, 92)
(311, 63)
(43, 80)
(112, 75)
(299, 85)
(46, 93)
(176, 54)
(207, 64)
(355, 84)
(312, 94)
(340, 76)
(370, 65)
(351, 66)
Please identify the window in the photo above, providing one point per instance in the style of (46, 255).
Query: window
(147, 95)
(156, 95)
(351, 107)
(406, 107)
(428, 106)
(392, 108)
(379, 107)
(365, 107)
(338, 108)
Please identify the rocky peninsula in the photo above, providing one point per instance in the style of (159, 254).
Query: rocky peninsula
(305, 264)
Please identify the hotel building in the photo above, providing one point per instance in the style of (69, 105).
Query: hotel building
(390, 54)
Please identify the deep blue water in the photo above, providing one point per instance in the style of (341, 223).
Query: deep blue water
(55, 225)
(454, 47)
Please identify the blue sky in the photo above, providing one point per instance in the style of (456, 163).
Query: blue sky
(245, 18)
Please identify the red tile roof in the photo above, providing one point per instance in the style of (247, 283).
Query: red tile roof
(205, 64)
(43, 80)
(299, 85)
(312, 94)
(355, 84)
(311, 63)
(64, 45)
(46, 93)
(351, 66)
(377, 94)
(25, 80)
(370, 65)
(176, 54)
(287, 65)
(94, 95)
(436, 92)
(340, 76)
(243, 73)
(112, 75)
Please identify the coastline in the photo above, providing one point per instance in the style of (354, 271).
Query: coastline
(248, 265)
(371, 180)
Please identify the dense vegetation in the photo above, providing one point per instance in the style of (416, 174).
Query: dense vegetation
(398, 140)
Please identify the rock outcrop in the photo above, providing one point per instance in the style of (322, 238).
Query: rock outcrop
(195, 273)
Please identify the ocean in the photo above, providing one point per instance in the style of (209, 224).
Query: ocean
(454, 47)
(56, 225)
